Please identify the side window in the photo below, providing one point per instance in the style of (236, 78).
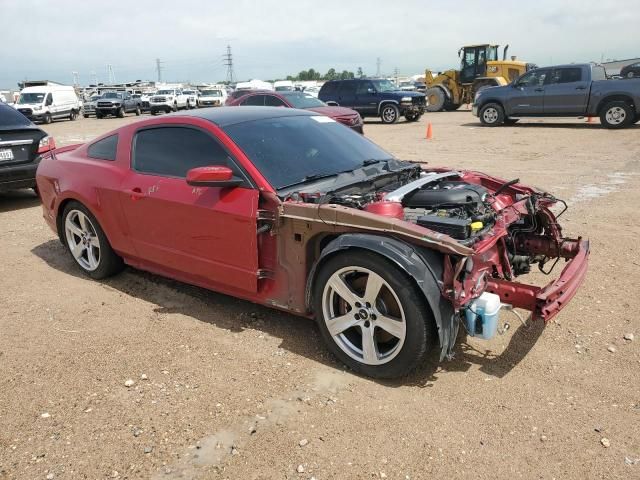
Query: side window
(330, 88)
(348, 89)
(533, 79)
(49, 100)
(364, 88)
(104, 149)
(272, 101)
(172, 151)
(255, 100)
(565, 75)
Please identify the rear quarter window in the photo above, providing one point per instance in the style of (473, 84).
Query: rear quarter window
(329, 88)
(104, 149)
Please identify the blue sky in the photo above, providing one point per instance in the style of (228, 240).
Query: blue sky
(271, 39)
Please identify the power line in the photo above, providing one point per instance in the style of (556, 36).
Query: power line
(228, 62)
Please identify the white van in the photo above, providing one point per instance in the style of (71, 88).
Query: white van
(284, 86)
(48, 102)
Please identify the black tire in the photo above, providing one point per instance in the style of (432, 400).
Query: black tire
(85, 115)
(175, 107)
(99, 115)
(389, 113)
(47, 118)
(511, 121)
(617, 114)
(637, 119)
(436, 99)
(451, 107)
(412, 117)
(109, 263)
(418, 319)
(138, 111)
(154, 112)
(120, 113)
(491, 115)
(73, 115)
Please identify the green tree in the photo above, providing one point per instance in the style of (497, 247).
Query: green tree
(360, 72)
(331, 74)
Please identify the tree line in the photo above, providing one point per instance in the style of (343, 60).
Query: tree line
(331, 74)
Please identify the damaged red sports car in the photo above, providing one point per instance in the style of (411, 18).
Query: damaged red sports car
(289, 209)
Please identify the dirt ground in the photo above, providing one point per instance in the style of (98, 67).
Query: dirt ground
(226, 389)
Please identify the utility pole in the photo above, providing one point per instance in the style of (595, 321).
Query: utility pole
(378, 63)
(395, 73)
(159, 69)
(76, 79)
(110, 75)
(228, 62)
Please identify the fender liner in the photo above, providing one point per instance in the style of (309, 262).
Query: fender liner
(424, 266)
(388, 100)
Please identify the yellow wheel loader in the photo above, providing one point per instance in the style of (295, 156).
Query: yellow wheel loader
(479, 68)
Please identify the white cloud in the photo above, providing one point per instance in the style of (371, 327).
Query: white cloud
(46, 39)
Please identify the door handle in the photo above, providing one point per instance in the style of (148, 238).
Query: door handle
(539, 90)
(135, 194)
(581, 88)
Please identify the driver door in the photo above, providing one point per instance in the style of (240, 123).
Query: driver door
(366, 102)
(527, 95)
(206, 235)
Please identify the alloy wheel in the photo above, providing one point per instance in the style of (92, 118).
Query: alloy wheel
(82, 240)
(389, 114)
(364, 315)
(616, 115)
(490, 115)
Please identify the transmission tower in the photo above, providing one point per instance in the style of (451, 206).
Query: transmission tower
(110, 75)
(159, 69)
(378, 64)
(76, 79)
(228, 62)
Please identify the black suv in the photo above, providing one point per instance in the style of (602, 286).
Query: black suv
(374, 98)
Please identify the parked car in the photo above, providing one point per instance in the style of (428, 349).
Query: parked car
(21, 145)
(192, 98)
(313, 91)
(631, 71)
(280, 207)
(576, 90)
(145, 98)
(117, 104)
(214, 97)
(406, 86)
(89, 106)
(48, 102)
(374, 98)
(237, 94)
(283, 86)
(293, 99)
(168, 100)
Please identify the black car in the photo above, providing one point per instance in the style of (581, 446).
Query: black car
(374, 98)
(631, 71)
(21, 144)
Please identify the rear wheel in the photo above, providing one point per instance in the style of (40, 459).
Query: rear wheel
(492, 115)
(389, 113)
(47, 118)
(73, 115)
(88, 245)
(617, 114)
(436, 99)
(371, 315)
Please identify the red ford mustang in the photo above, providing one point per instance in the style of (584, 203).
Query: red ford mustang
(290, 209)
(294, 99)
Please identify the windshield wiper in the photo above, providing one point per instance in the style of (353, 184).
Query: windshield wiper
(372, 161)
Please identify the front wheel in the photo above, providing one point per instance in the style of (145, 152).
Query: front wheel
(138, 112)
(617, 114)
(73, 115)
(436, 99)
(371, 315)
(88, 245)
(389, 113)
(120, 112)
(412, 117)
(47, 118)
(492, 115)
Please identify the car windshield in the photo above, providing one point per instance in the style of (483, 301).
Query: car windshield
(31, 98)
(300, 100)
(384, 85)
(112, 95)
(211, 93)
(94, 98)
(295, 150)
(10, 117)
(165, 92)
(284, 88)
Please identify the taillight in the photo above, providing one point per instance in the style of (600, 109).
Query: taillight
(46, 144)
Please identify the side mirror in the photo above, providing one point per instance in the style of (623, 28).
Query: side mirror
(214, 176)
(371, 90)
(49, 101)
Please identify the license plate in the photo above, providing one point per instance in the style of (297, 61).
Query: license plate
(6, 155)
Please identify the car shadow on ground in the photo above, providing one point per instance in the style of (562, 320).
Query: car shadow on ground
(298, 335)
(17, 200)
(578, 126)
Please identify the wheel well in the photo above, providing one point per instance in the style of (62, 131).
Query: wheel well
(59, 219)
(613, 98)
(486, 102)
(383, 103)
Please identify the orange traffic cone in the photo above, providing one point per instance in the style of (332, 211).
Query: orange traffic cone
(589, 119)
(429, 131)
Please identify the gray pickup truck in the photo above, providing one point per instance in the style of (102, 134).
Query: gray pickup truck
(117, 104)
(576, 90)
